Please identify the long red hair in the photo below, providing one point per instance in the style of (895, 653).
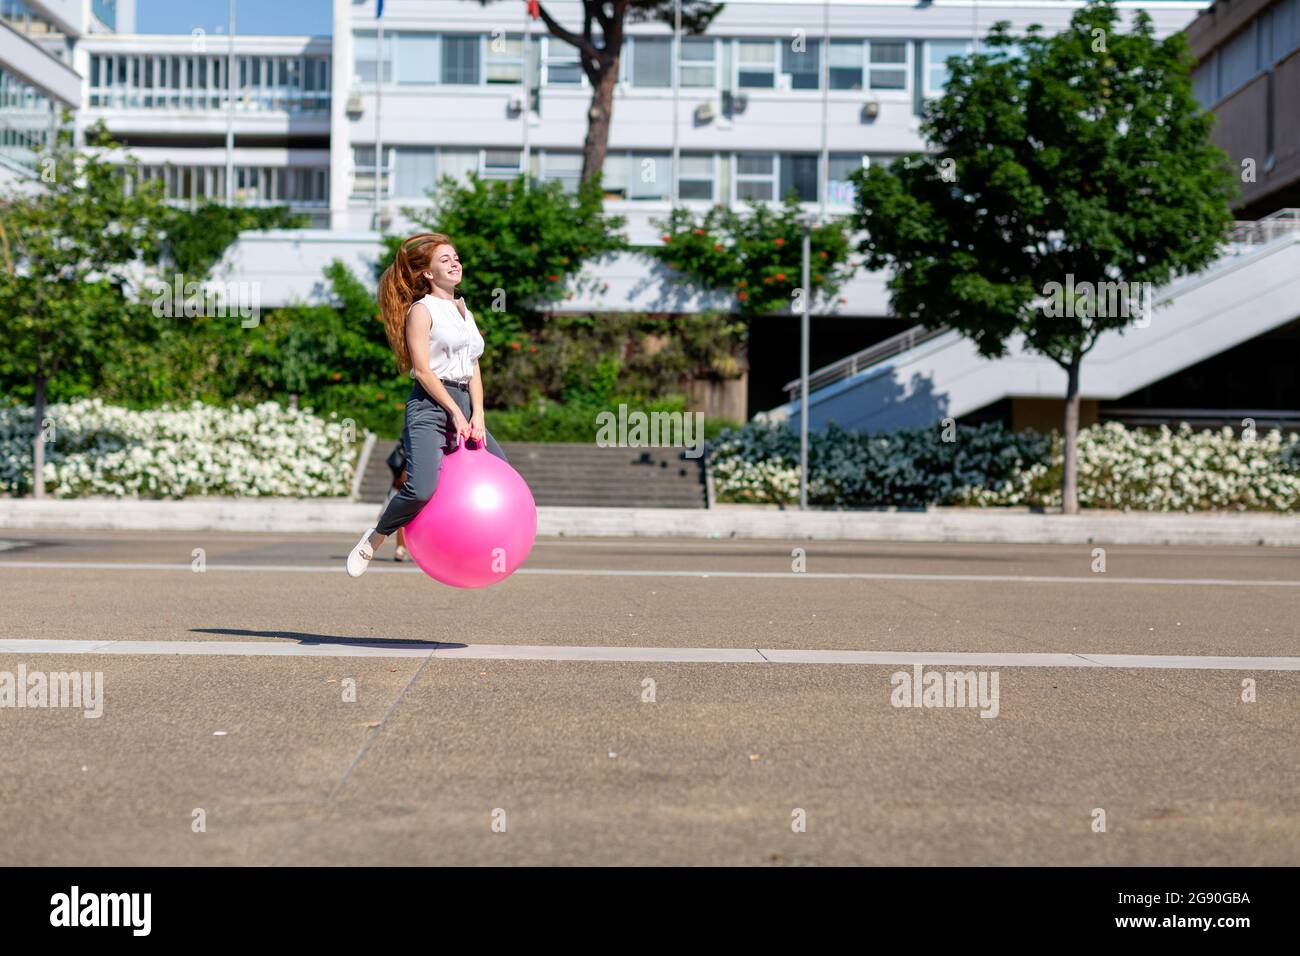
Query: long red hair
(401, 285)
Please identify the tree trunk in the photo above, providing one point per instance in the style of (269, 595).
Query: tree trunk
(38, 440)
(598, 119)
(1070, 450)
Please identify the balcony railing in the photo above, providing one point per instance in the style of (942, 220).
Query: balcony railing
(1263, 231)
(858, 361)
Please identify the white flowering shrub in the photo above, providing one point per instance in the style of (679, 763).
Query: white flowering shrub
(1120, 468)
(1180, 470)
(98, 449)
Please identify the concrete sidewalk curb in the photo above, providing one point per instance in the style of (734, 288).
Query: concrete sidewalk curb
(339, 516)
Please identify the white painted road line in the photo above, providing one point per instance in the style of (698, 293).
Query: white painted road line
(642, 655)
(650, 573)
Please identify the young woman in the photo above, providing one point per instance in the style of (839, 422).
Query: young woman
(433, 335)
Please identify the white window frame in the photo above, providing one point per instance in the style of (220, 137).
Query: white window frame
(906, 66)
(627, 64)
(713, 63)
(928, 64)
(392, 50)
(568, 55)
(774, 178)
(372, 35)
(863, 57)
(736, 66)
(496, 173)
(482, 38)
(501, 59)
(388, 172)
(713, 176)
(545, 174)
(785, 79)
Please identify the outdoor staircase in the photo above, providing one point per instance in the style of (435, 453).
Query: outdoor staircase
(581, 475)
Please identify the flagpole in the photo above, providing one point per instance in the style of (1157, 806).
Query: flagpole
(230, 108)
(379, 113)
(523, 75)
(676, 67)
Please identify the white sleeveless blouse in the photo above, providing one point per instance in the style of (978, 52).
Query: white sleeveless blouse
(454, 342)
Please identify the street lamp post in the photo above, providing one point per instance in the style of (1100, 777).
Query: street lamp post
(806, 289)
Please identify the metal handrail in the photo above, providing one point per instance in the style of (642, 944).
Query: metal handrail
(871, 355)
(1262, 231)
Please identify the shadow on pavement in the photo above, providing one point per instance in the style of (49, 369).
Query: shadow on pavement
(302, 638)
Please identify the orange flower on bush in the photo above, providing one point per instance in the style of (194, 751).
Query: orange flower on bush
(717, 247)
(532, 348)
(780, 277)
(666, 237)
(515, 346)
(743, 296)
(338, 376)
(779, 241)
(553, 277)
(699, 232)
(823, 254)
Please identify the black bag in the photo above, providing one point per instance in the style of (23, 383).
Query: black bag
(397, 461)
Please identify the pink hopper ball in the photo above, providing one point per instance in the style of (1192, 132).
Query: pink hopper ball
(480, 523)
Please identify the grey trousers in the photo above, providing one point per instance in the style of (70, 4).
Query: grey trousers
(427, 436)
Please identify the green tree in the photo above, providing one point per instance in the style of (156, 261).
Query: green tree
(198, 238)
(72, 240)
(755, 256)
(600, 47)
(521, 246)
(1081, 154)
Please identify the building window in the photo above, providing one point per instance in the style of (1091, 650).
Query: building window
(846, 60)
(697, 177)
(638, 175)
(505, 60)
(755, 176)
(699, 63)
(652, 62)
(799, 173)
(888, 64)
(501, 163)
(1285, 29)
(802, 68)
(1238, 62)
(363, 171)
(840, 190)
(416, 171)
(417, 57)
(560, 62)
(1203, 83)
(365, 56)
(458, 163)
(460, 60)
(756, 65)
(937, 53)
(562, 167)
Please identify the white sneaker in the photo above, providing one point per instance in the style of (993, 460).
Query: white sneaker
(360, 557)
